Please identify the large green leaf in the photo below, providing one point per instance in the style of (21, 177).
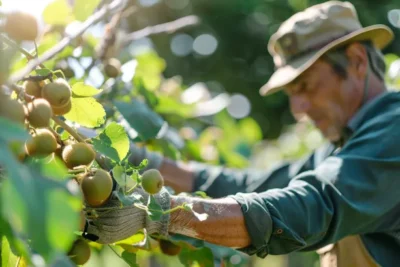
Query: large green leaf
(42, 210)
(141, 118)
(11, 131)
(87, 112)
(82, 89)
(113, 142)
(7, 256)
(84, 8)
(58, 12)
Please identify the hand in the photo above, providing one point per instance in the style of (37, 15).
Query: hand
(112, 222)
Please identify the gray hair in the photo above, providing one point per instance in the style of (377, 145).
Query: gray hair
(339, 61)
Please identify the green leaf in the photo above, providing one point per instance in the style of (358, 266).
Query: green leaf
(202, 256)
(149, 96)
(54, 168)
(142, 119)
(129, 200)
(82, 89)
(142, 165)
(154, 209)
(84, 8)
(11, 131)
(44, 211)
(58, 12)
(113, 142)
(129, 258)
(168, 105)
(86, 112)
(123, 179)
(7, 256)
(250, 130)
(149, 68)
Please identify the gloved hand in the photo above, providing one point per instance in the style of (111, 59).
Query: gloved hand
(118, 223)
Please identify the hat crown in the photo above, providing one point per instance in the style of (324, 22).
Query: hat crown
(312, 29)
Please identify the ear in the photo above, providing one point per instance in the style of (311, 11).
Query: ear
(358, 60)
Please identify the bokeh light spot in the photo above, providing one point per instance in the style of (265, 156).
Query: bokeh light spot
(205, 44)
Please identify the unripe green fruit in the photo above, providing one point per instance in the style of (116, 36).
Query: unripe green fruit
(12, 109)
(152, 181)
(80, 252)
(42, 144)
(169, 248)
(33, 88)
(62, 110)
(39, 113)
(21, 26)
(96, 187)
(77, 155)
(58, 93)
(112, 67)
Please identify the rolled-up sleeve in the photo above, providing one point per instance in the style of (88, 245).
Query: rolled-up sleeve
(353, 192)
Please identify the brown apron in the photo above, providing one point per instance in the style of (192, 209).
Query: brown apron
(348, 252)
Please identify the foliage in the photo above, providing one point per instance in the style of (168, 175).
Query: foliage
(41, 201)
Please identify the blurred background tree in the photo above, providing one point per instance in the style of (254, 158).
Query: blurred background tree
(228, 50)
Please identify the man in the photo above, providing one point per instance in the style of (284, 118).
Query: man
(343, 200)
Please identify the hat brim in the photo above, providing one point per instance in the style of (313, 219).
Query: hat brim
(380, 35)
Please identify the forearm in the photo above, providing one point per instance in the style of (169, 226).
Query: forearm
(224, 225)
(177, 175)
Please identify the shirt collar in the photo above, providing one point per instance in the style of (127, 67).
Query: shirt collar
(356, 120)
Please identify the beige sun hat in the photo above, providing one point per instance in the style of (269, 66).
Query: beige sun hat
(307, 35)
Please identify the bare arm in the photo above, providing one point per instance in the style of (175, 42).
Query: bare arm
(171, 170)
(224, 226)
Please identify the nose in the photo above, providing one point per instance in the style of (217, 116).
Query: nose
(299, 104)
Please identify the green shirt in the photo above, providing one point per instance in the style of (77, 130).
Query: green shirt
(326, 196)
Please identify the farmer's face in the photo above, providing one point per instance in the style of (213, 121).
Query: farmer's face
(326, 98)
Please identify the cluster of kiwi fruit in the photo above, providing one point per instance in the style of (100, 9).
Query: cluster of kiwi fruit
(42, 100)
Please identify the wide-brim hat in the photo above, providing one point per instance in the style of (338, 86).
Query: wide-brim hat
(306, 36)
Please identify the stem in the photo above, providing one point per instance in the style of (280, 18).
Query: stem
(37, 78)
(20, 49)
(77, 171)
(181, 207)
(96, 17)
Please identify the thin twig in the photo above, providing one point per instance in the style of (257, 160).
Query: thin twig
(20, 49)
(161, 28)
(110, 35)
(96, 17)
(37, 78)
